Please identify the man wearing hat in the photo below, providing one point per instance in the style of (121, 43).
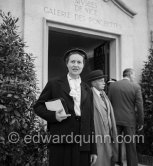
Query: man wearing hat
(105, 126)
(70, 143)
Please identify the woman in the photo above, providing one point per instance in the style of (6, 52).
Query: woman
(74, 130)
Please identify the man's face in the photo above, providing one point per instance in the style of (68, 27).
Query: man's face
(99, 84)
(75, 65)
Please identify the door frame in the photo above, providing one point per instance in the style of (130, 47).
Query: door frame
(114, 39)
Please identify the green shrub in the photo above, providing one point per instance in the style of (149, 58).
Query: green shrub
(147, 92)
(18, 91)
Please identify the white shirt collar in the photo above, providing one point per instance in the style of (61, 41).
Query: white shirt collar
(126, 78)
(97, 91)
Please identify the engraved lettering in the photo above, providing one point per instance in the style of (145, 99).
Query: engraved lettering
(90, 15)
(87, 3)
(57, 12)
(78, 8)
(79, 17)
(91, 11)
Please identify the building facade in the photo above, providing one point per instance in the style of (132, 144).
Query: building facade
(116, 34)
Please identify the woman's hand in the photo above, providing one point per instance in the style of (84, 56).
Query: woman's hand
(60, 116)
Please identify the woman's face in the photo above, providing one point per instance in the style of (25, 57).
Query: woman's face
(75, 65)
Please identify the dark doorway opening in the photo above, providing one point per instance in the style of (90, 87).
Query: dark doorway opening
(61, 40)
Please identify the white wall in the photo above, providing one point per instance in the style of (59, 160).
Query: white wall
(16, 9)
(150, 21)
(141, 36)
(104, 17)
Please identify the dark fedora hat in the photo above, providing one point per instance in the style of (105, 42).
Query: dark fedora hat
(95, 75)
(75, 50)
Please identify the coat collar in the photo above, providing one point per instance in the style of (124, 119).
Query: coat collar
(98, 100)
(65, 85)
(83, 92)
(126, 79)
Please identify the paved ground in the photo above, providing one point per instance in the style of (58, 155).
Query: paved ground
(124, 164)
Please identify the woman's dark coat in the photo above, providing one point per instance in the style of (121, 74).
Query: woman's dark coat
(59, 88)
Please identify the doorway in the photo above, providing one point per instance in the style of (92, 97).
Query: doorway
(60, 40)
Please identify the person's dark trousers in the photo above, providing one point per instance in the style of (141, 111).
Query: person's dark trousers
(112, 162)
(119, 162)
(127, 134)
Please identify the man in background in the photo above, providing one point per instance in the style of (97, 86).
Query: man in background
(126, 99)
